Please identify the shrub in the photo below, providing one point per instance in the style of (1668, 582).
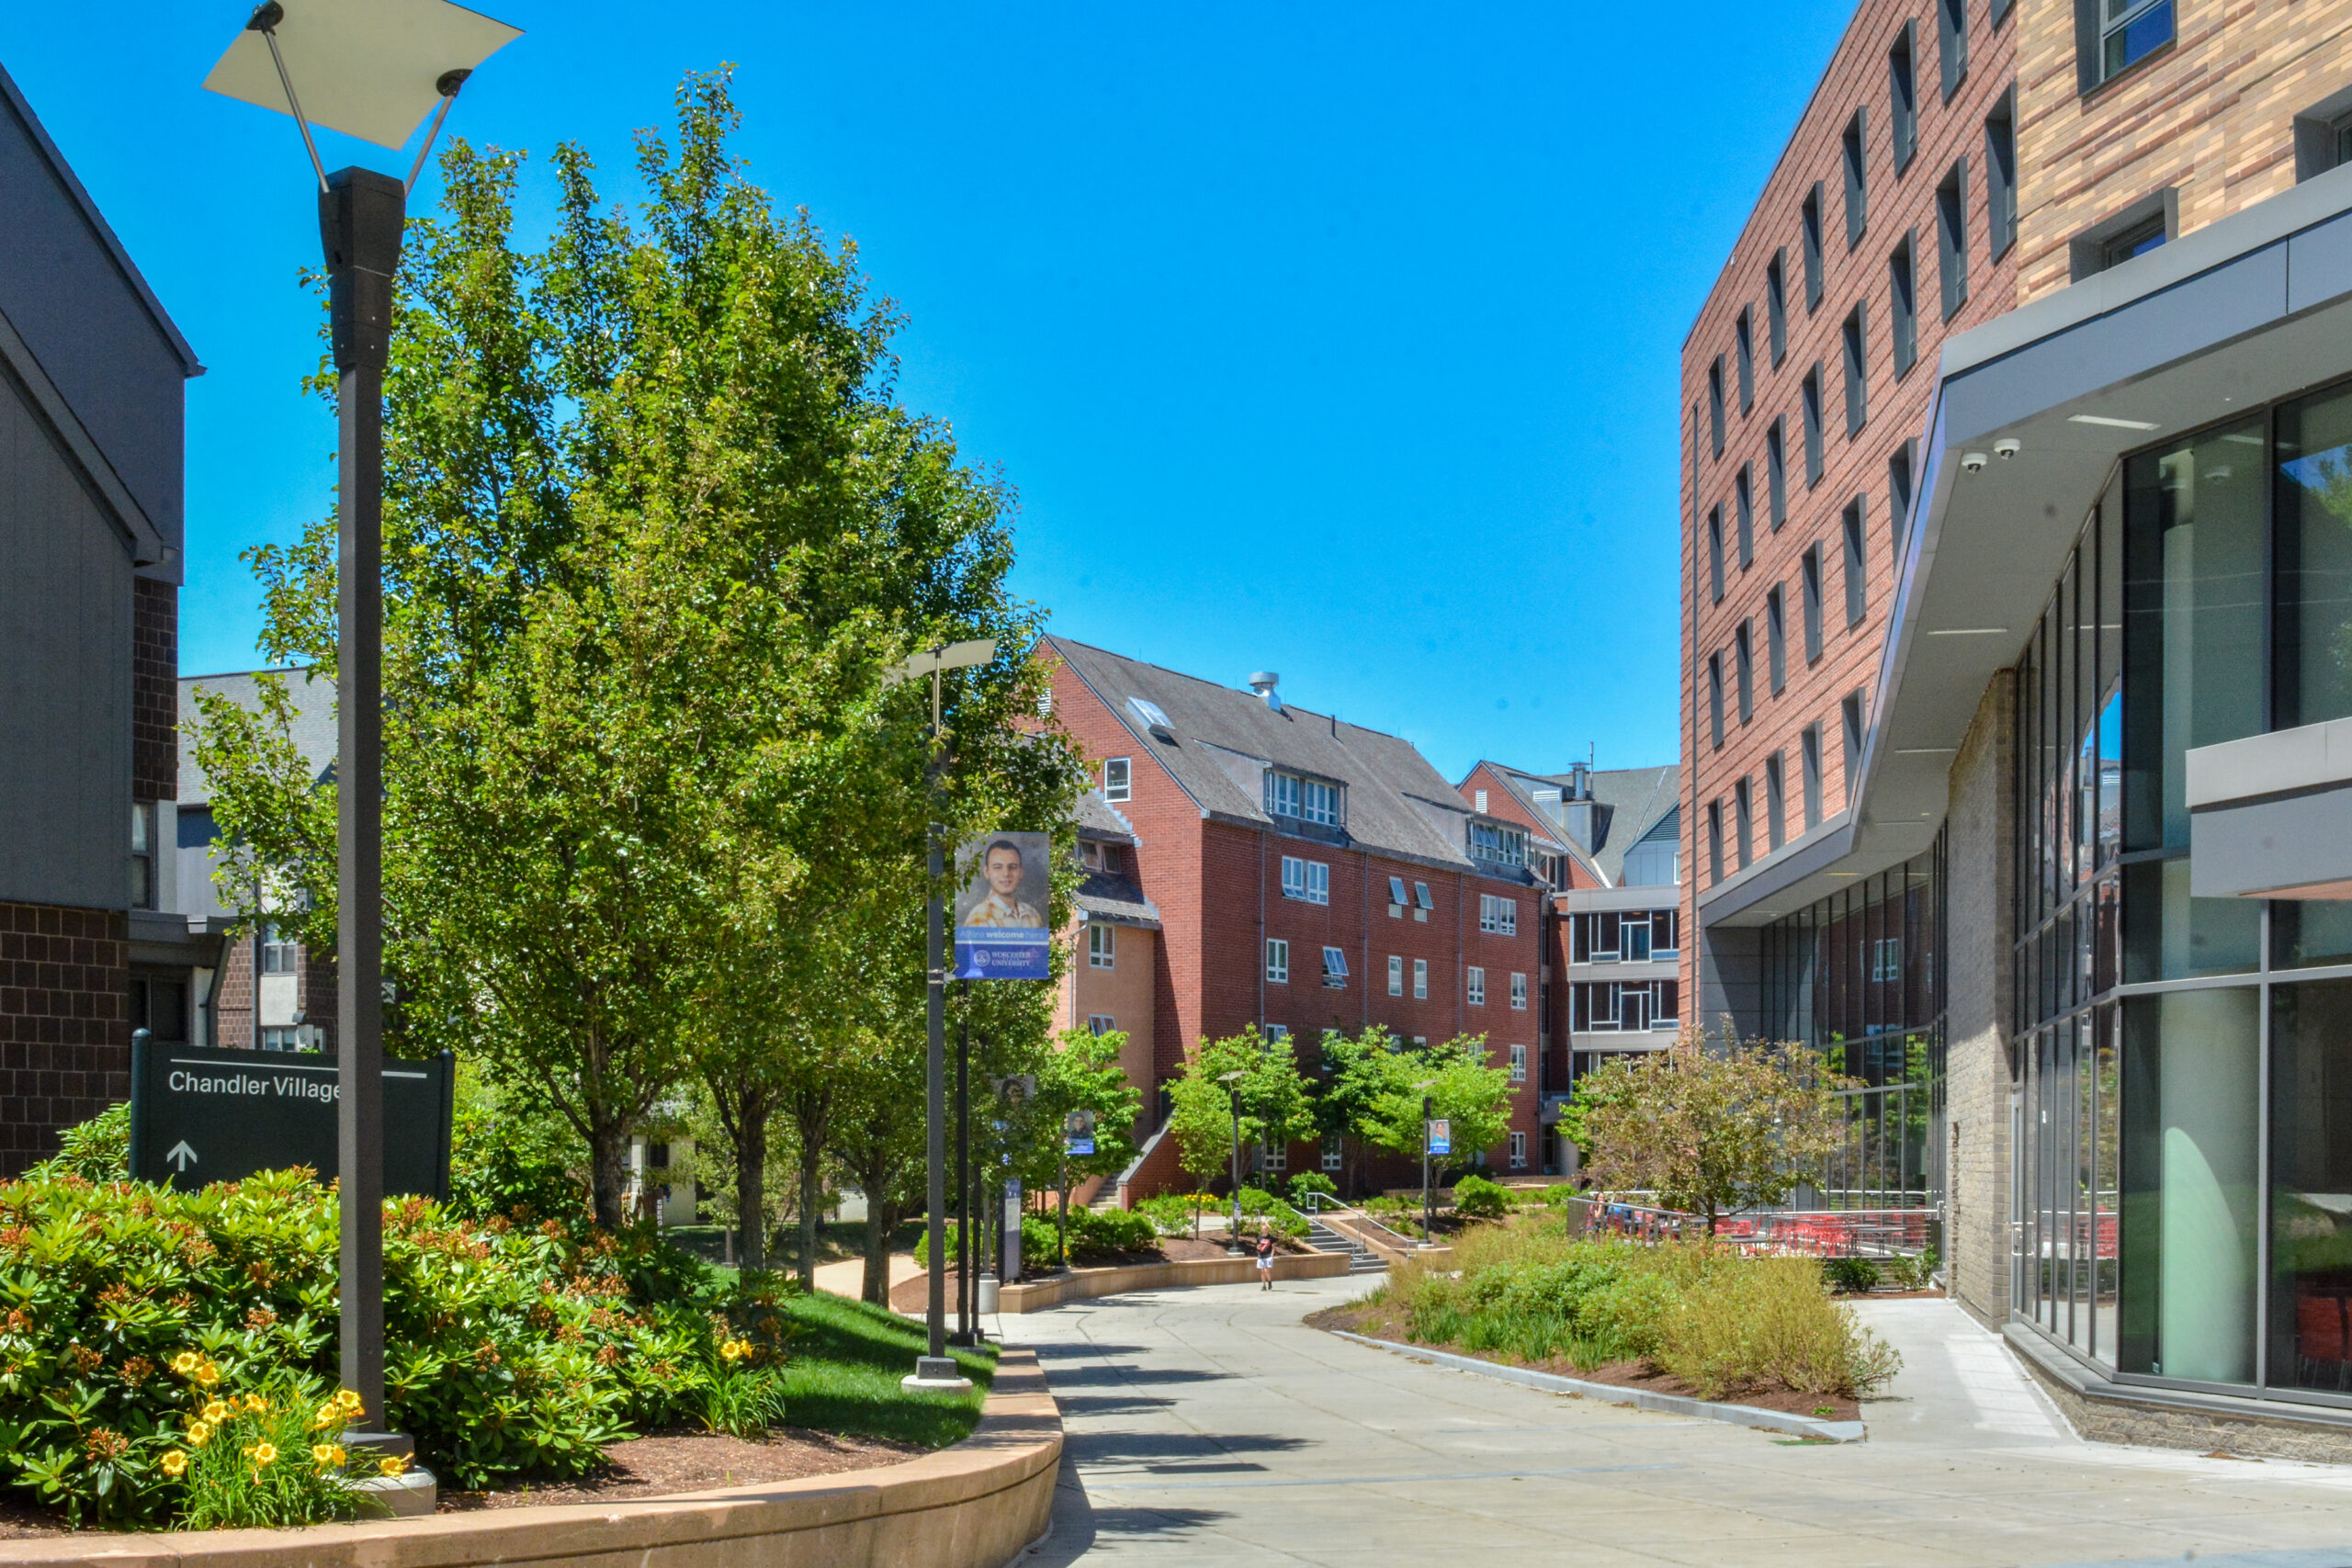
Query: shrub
(1477, 1198)
(1314, 1181)
(1110, 1231)
(1040, 1243)
(1914, 1272)
(267, 1457)
(1849, 1275)
(745, 1397)
(1262, 1207)
(96, 1150)
(1171, 1213)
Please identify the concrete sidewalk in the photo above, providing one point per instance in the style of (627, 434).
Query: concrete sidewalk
(847, 1278)
(1212, 1427)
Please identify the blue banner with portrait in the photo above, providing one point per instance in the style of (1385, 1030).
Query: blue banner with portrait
(1001, 891)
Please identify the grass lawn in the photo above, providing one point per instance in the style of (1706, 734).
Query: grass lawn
(846, 1358)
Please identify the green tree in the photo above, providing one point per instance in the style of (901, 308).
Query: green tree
(1350, 1071)
(1709, 1129)
(1078, 1070)
(1270, 1092)
(1452, 1078)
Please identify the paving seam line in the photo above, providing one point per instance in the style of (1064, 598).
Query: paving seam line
(1666, 1403)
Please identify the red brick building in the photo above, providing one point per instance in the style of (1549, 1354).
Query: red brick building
(1308, 875)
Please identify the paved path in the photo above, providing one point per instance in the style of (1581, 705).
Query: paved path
(1210, 1427)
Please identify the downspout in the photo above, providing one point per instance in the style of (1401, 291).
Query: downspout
(1364, 958)
(1261, 957)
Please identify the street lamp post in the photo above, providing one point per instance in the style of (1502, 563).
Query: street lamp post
(1233, 1100)
(1429, 1113)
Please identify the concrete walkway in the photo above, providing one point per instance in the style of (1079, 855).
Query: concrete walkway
(1211, 1426)
(847, 1278)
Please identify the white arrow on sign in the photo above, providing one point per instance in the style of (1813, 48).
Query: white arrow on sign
(180, 1156)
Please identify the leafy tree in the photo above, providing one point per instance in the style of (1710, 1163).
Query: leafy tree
(1452, 1076)
(1270, 1093)
(1078, 1070)
(1709, 1129)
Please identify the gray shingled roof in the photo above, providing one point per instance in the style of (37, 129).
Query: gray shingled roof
(314, 729)
(1221, 740)
(1098, 818)
(1630, 802)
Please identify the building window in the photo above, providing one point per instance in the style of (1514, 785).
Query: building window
(1902, 99)
(1102, 945)
(1857, 189)
(2112, 36)
(1951, 237)
(1397, 899)
(1608, 1007)
(1809, 399)
(1776, 306)
(1273, 1031)
(1475, 984)
(1715, 841)
(1518, 1146)
(1715, 700)
(1776, 473)
(1809, 753)
(1309, 881)
(1857, 566)
(1952, 41)
(1518, 992)
(1809, 568)
(1857, 373)
(1744, 669)
(1886, 959)
(1746, 508)
(1898, 493)
(2136, 241)
(1309, 800)
(1903, 308)
(160, 1007)
(1396, 976)
(1331, 1152)
(1518, 1064)
(1117, 774)
(1277, 961)
(285, 1037)
(1274, 1158)
(1743, 811)
(142, 855)
(1776, 638)
(1096, 855)
(1500, 916)
(2001, 174)
(1715, 553)
(279, 953)
(1421, 899)
(1774, 802)
(1809, 235)
(2323, 134)
(1335, 968)
(1101, 1023)
(1744, 352)
(1852, 760)
(1497, 843)
(1715, 404)
(1420, 979)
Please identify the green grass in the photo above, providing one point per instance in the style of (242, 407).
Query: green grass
(845, 1362)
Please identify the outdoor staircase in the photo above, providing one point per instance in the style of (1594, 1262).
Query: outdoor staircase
(1360, 1259)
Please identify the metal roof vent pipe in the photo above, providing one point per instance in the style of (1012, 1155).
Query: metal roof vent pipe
(1579, 782)
(1263, 682)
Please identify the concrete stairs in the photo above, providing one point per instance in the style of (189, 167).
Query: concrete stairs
(1360, 1259)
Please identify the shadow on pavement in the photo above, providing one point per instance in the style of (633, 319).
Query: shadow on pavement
(1078, 1523)
(1080, 1349)
(1081, 1377)
(1109, 1403)
(1110, 1448)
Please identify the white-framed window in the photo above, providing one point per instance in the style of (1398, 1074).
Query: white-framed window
(1102, 945)
(285, 1038)
(1518, 992)
(1273, 1031)
(1308, 881)
(278, 952)
(1396, 976)
(1476, 984)
(1331, 1152)
(1421, 899)
(1309, 800)
(1335, 968)
(1518, 1151)
(1397, 899)
(1117, 775)
(1497, 915)
(1277, 960)
(1101, 1023)
(1420, 979)
(1886, 959)
(1419, 1041)
(1518, 1064)
(1275, 1160)
(1497, 843)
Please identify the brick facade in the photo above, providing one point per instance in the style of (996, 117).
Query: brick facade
(155, 689)
(64, 1024)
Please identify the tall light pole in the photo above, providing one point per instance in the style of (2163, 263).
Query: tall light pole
(371, 69)
(1233, 1100)
(1429, 1113)
(937, 1370)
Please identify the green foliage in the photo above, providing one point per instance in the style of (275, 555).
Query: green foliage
(1911, 1271)
(1040, 1243)
(96, 1150)
(509, 1158)
(1314, 1181)
(1094, 1235)
(1388, 1085)
(847, 1358)
(1268, 1097)
(1480, 1199)
(1850, 1276)
(267, 1457)
(1260, 1207)
(1171, 1213)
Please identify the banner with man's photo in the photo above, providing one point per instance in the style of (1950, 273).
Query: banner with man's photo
(1001, 891)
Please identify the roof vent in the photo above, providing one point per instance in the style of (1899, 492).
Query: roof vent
(1580, 781)
(1263, 682)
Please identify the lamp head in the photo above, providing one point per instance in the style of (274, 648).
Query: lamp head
(373, 69)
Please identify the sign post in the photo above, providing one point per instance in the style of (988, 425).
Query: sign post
(1438, 1139)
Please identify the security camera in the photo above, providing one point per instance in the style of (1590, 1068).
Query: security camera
(1972, 461)
(2008, 447)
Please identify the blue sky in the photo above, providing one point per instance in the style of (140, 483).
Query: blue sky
(1335, 340)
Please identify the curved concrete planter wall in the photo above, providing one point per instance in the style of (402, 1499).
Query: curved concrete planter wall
(1080, 1284)
(973, 1506)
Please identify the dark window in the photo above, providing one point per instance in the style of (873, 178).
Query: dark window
(1744, 341)
(1776, 306)
(2001, 174)
(1898, 493)
(1998, 11)
(1811, 567)
(1746, 518)
(1809, 395)
(2112, 36)
(2136, 241)
(2323, 135)
(1952, 41)
(1902, 99)
(1903, 306)
(159, 1005)
(1857, 564)
(1715, 553)
(1715, 841)
(1857, 207)
(1853, 757)
(1776, 638)
(1744, 669)
(2134, 231)
(1809, 748)
(1951, 236)
(1856, 374)
(1775, 802)
(1715, 699)
(1776, 474)
(1715, 403)
(1809, 227)
(1743, 811)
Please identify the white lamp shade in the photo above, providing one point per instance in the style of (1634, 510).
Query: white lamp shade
(367, 68)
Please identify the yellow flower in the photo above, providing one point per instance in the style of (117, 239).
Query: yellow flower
(256, 1403)
(264, 1454)
(336, 1450)
(322, 1452)
(328, 1416)
(198, 1433)
(392, 1466)
(216, 1410)
(209, 1373)
(186, 1362)
(734, 1350)
(174, 1463)
(349, 1400)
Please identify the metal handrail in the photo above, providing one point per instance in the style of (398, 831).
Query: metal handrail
(1315, 1202)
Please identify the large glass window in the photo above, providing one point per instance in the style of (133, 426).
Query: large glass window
(2310, 1194)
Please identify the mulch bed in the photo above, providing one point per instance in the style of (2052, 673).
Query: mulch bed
(684, 1460)
(1386, 1322)
(22, 1521)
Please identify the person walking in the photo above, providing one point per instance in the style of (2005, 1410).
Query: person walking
(1265, 1258)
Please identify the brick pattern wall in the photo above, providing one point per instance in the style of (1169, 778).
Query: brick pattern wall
(232, 1012)
(1977, 937)
(64, 1024)
(2212, 118)
(155, 691)
(1898, 205)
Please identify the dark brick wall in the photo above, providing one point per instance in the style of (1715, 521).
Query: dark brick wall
(155, 691)
(64, 1024)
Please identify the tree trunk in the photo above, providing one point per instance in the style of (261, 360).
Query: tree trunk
(881, 1219)
(813, 1191)
(608, 1172)
(750, 1139)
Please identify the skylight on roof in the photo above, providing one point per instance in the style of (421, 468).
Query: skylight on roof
(1150, 713)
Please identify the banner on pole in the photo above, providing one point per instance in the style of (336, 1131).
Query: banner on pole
(1441, 1136)
(1001, 883)
(1077, 1132)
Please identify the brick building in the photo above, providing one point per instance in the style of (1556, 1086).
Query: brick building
(1305, 875)
(91, 374)
(2080, 875)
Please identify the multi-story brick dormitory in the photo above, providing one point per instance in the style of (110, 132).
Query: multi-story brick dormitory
(1305, 875)
(91, 374)
(2081, 849)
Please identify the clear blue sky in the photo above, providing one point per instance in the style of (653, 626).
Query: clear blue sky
(1339, 340)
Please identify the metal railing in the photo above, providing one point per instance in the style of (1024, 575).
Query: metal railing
(1813, 1233)
(1317, 1202)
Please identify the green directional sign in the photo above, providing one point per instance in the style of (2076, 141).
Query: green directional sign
(200, 1116)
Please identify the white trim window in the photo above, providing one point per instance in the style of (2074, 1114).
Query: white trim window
(1118, 778)
(1518, 1151)
(1518, 992)
(1518, 1064)
(1396, 898)
(1273, 1031)
(1396, 976)
(1475, 984)
(1500, 916)
(1277, 961)
(1308, 881)
(1335, 968)
(1331, 1152)
(1102, 945)
(1420, 979)
(1497, 843)
(1308, 800)
(1421, 899)
(1273, 1158)
(1101, 1023)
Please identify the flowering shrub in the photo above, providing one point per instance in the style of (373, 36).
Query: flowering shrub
(266, 1457)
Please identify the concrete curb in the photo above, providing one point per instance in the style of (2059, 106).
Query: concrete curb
(1084, 1284)
(1666, 1403)
(977, 1505)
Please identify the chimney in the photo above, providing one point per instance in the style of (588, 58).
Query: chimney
(1579, 782)
(1576, 820)
(1263, 682)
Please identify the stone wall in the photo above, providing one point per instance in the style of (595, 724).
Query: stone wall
(1977, 951)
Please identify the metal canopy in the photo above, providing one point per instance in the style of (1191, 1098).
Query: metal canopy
(369, 68)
